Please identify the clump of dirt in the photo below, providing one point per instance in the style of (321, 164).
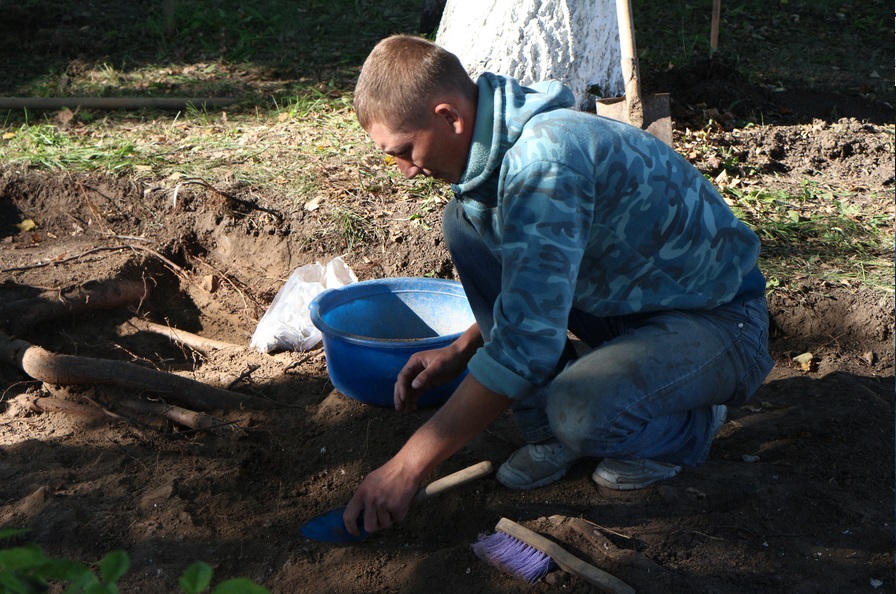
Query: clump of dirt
(857, 154)
(796, 495)
(714, 89)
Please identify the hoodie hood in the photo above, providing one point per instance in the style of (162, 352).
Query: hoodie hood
(502, 111)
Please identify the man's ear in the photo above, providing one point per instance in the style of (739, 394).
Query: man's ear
(449, 114)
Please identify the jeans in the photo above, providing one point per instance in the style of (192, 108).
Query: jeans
(645, 386)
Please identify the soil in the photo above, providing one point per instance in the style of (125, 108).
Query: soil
(797, 496)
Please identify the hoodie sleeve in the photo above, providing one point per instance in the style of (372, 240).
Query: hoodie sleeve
(546, 222)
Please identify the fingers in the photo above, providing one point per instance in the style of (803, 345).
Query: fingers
(372, 518)
(350, 517)
(407, 385)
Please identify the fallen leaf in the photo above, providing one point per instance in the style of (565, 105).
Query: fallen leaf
(8, 135)
(26, 225)
(313, 204)
(805, 361)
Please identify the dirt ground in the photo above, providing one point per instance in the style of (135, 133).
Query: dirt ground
(797, 496)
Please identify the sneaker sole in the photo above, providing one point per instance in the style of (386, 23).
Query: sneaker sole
(601, 480)
(506, 481)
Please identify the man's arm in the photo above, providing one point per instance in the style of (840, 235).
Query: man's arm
(386, 493)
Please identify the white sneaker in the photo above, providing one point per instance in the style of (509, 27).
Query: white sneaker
(628, 475)
(536, 465)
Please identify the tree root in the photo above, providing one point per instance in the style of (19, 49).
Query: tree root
(18, 316)
(145, 412)
(54, 368)
(609, 549)
(194, 341)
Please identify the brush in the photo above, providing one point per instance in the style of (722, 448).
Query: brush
(528, 556)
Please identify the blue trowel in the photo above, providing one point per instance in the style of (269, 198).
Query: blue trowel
(329, 527)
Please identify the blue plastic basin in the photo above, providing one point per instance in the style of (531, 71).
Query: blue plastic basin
(371, 328)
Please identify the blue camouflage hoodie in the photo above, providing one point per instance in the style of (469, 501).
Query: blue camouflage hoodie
(585, 212)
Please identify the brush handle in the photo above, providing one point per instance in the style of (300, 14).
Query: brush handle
(567, 562)
(453, 480)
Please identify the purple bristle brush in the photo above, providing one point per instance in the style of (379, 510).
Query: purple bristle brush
(513, 556)
(518, 551)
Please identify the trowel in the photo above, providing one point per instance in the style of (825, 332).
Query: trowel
(329, 527)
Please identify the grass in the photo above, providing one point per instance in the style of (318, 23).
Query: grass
(818, 233)
(294, 140)
(776, 43)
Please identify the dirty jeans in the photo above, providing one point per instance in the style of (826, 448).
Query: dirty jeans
(645, 385)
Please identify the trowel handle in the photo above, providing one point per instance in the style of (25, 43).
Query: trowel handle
(454, 480)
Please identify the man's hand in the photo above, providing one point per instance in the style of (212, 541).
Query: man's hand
(384, 497)
(428, 369)
(386, 493)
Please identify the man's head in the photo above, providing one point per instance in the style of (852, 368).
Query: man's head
(419, 105)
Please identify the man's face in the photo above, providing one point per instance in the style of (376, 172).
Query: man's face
(436, 150)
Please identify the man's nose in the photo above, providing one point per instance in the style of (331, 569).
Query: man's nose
(407, 168)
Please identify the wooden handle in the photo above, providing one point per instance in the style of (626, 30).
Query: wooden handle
(455, 479)
(714, 27)
(631, 76)
(567, 562)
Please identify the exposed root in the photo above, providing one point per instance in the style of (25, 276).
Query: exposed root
(194, 341)
(20, 315)
(54, 368)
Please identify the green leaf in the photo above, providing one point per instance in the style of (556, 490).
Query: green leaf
(11, 583)
(98, 588)
(82, 583)
(25, 557)
(196, 578)
(10, 532)
(65, 570)
(239, 586)
(113, 566)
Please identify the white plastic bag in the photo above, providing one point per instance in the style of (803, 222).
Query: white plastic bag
(287, 323)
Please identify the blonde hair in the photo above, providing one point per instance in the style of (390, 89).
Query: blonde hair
(401, 77)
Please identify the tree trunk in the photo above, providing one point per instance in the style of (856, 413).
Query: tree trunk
(573, 41)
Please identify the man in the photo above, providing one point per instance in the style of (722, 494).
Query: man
(564, 221)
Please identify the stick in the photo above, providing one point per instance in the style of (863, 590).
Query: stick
(54, 368)
(567, 562)
(714, 27)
